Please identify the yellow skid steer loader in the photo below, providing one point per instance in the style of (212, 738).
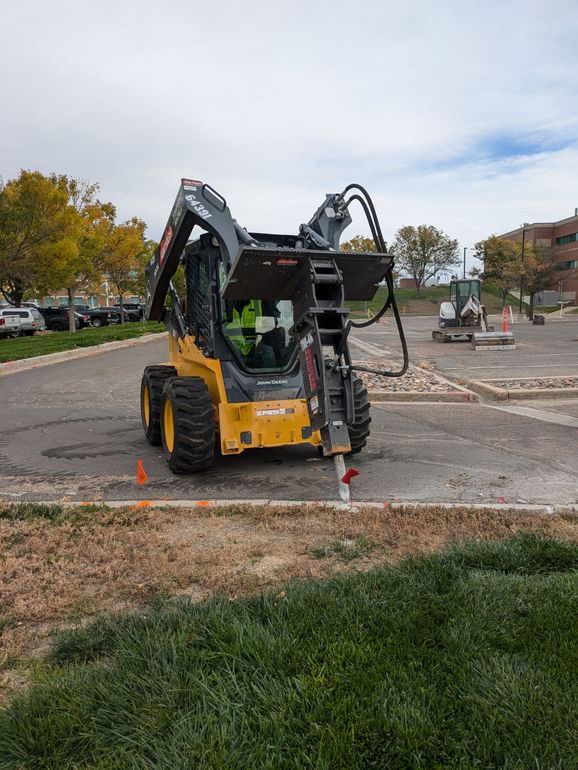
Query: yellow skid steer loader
(258, 345)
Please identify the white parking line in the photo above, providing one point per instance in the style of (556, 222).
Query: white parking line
(538, 414)
(511, 366)
(369, 348)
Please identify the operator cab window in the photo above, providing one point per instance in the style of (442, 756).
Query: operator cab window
(258, 332)
(467, 288)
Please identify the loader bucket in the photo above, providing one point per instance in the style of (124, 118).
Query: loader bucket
(493, 341)
(272, 274)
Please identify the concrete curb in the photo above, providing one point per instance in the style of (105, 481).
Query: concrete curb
(514, 507)
(485, 388)
(24, 364)
(459, 397)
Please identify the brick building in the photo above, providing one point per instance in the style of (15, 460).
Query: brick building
(562, 238)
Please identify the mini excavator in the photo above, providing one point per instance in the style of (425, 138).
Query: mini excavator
(258, 345)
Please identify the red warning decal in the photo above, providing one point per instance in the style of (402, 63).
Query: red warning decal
(165, 241)
(287, 261)
(311, 369)
(190, 181)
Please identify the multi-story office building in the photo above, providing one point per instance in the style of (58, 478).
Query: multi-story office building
(561, 240)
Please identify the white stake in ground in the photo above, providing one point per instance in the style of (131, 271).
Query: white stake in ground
(344, 492)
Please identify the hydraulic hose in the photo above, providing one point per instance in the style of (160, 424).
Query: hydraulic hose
(374, 226)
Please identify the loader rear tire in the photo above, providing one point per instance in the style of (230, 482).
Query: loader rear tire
(187, 425)
(151, 393)
(359, 431)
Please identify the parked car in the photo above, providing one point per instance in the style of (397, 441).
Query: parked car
(56, 319)
(9, 326)
(31, 320)
(132, 311)
(103, 316)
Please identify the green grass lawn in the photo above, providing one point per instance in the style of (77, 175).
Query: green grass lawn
(464, 659)
(41, 344)
(427, 304)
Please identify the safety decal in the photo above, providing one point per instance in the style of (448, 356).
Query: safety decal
(165, 242)
(311, 369)
(268, 412)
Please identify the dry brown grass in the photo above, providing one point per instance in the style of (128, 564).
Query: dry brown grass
(58, 574)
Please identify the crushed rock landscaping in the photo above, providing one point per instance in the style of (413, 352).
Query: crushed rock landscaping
(414, 380)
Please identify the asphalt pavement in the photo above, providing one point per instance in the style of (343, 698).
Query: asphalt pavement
(541, 351)
(72, 431)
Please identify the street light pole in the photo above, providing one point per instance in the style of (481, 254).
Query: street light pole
(465, 249)
(522, 273)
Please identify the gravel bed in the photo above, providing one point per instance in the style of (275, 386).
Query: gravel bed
(412, 380)
(545, 383)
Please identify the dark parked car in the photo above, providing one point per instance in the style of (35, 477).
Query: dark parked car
(56, 318)
(132, 311)
(103, 316)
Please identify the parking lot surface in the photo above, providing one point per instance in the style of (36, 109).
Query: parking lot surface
(549, 350)
(72, 430)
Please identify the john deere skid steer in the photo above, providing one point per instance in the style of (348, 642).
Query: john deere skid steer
(258, 345)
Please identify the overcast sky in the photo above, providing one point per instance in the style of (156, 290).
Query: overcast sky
(457, 113)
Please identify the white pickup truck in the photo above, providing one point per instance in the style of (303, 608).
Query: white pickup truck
(9, 324)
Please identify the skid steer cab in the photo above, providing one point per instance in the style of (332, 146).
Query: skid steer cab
(258, 337)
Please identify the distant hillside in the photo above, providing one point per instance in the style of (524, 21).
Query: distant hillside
(427, 304)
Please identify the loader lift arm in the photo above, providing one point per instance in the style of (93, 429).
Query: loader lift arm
(196, 204)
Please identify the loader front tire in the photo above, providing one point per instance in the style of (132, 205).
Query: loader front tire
(151, 393)
(359, 431)
(187, 425)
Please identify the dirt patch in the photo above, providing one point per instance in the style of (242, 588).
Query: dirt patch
(57, 574)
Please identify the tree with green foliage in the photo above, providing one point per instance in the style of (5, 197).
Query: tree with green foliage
(38, 236)
(94, 219)
(423, 252)
(359, 243)
(534, 265)
(498, 258)
(122, 257)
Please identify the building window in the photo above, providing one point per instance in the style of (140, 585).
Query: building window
(566, 239)
(573, 263)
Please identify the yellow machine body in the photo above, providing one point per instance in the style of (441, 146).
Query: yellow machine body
(248, 425)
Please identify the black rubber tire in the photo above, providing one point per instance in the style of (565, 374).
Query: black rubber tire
(58, 326)
(193, 447)
(359, 431)
(97, 322)
(154, 378)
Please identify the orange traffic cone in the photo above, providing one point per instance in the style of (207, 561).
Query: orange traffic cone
(141, 476)
(505, 320)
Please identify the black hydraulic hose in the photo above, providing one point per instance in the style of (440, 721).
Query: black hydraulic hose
(363, 191)
(373, 221)
(403, 370)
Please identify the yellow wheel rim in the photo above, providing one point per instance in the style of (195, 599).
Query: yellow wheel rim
(146, 405)
(168, 426)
